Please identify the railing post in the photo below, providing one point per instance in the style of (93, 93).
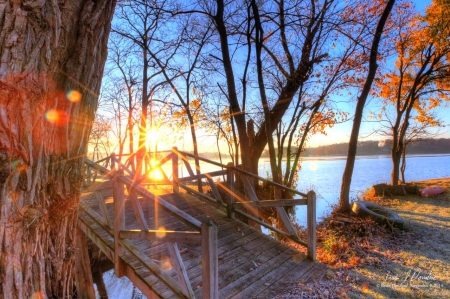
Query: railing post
(88, 175)
(113, 161)
(311, 221)
(210, 260)
(230, 184)
(119, 223)
(176, 182)
(83, 273)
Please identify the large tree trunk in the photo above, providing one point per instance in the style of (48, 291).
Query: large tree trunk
(52, 58)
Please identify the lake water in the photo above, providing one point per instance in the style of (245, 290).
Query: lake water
(324, 175)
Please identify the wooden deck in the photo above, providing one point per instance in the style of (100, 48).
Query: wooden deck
(251, 264)
(192, 245)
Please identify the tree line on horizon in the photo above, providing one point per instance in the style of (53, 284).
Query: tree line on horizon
(376, 147)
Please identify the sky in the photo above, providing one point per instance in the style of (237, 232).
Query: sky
(338, 134)
(341, 132)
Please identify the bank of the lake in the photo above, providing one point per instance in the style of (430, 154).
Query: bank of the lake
(369, 261)
(324, 175)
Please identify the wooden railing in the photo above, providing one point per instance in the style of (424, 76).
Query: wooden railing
(234, 203)
(116, 172)
(204, 233)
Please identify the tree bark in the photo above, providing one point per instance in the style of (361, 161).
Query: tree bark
(344, 198)
(52, 59)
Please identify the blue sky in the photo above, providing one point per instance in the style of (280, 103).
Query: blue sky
(341, 132)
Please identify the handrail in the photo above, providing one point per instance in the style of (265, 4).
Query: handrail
(142, 191)
(268, 181)
(307, 199)
(206, 230)
(240, 170)
(200, 158)
(230, 172)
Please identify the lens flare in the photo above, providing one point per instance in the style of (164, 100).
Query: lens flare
(38, 295)
(166, 265)
(161, 233)
(56, 117)
(156, 173)
(74, 96)
(313, 166)
(17, 165)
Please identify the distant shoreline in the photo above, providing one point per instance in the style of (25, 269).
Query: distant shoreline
(333, 157)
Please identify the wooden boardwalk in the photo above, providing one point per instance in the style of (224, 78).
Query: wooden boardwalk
(166, 261)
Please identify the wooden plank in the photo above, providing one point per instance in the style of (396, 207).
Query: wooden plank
(249, 188)
(103, 209)
(291, 278)
(94, 215)
(281, 212)
(230, 184)
(215, 190)
(153, 267)
(235, 287)
(246, 265)
(88, 175)
(190, 190)
(272, 203)
(274, 282)
(188, 166)
(252, 175)
(203, 176)
(251, 246)
(180, 269)
(311, 225)
(143, 278)
(164, 236)
(83, 274)
(210, 264)
(168, 207)
(141, 284)
(99, 242)
(270, 227)
(233, 244)
(100, 186)
(137, 208)
(234, 256)
(119, 224)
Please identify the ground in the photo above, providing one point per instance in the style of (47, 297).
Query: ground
(367, 260)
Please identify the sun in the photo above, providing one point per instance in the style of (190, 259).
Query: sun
(313, 165)
(152, 136)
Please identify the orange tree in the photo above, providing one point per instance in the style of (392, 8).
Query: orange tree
(420, 81)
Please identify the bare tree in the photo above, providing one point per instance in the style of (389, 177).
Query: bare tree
(140, 22)
(99, 142)
(344, 198)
